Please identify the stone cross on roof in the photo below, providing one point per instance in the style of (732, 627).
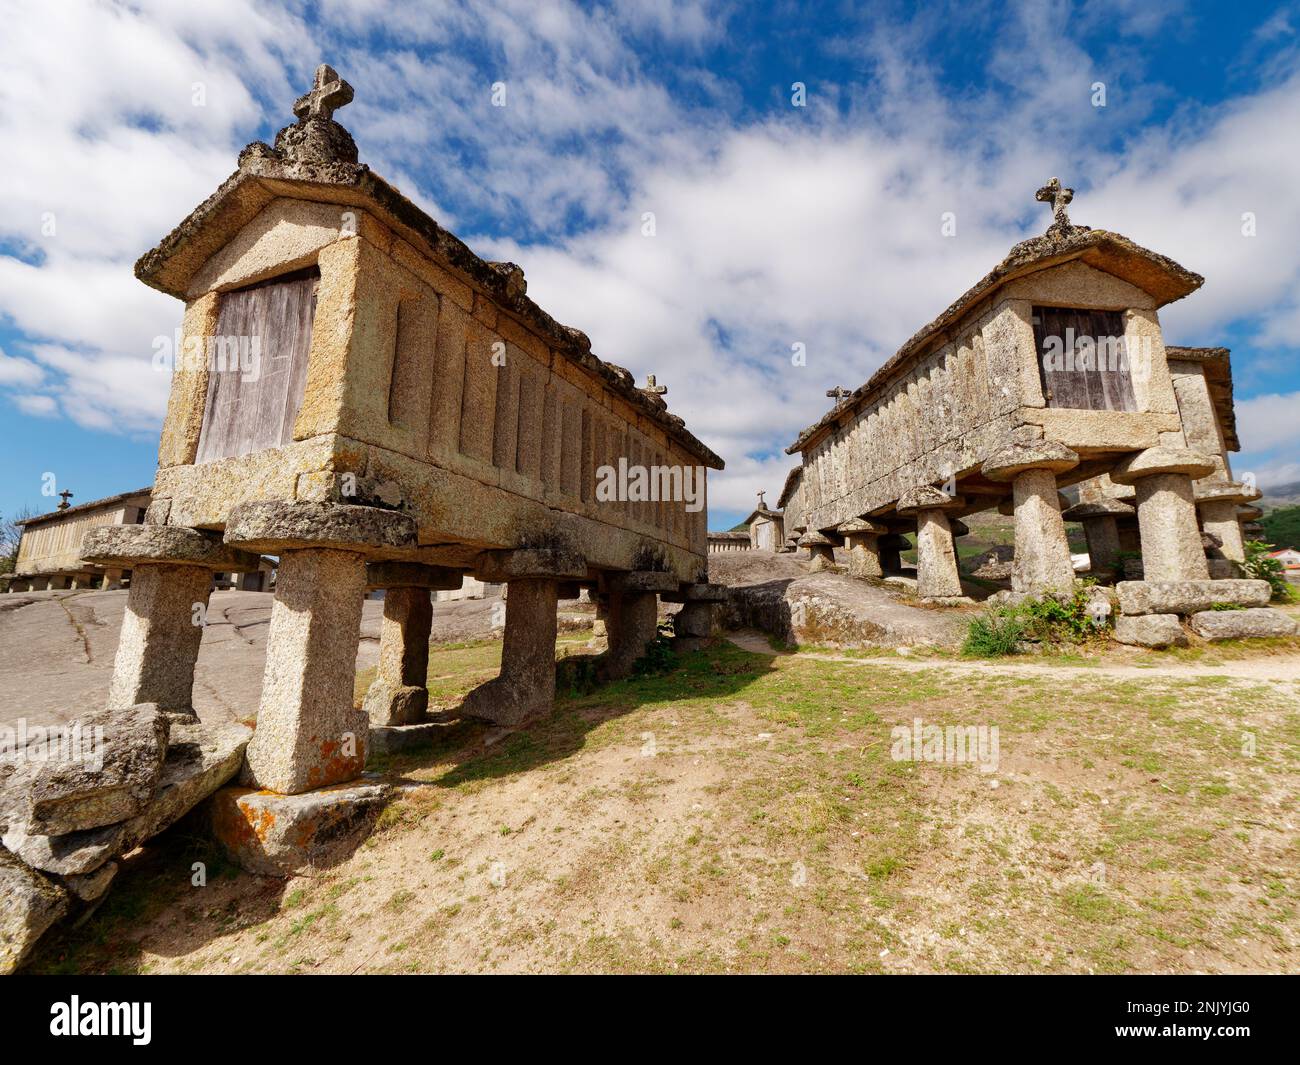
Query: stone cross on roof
(1059, 198)
(653, 388)
(329, 93)
(65, 495)
(839, 394)
(762, 503)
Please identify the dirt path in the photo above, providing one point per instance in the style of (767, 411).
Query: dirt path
(1275, 669)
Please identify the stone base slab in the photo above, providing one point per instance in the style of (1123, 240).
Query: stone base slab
(285, 835)
(1150, 630)
(1188, 597)
(391, 739)
(1254, 622)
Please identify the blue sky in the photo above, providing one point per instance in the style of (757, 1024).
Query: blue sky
(774, 224)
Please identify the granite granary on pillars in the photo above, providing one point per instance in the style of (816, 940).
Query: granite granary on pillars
(412, 418)
(1050, 371)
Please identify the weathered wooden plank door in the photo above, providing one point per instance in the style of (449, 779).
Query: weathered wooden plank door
(1083, 379)
(252, 402)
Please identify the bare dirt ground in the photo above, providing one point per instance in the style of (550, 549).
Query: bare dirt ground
(745, 812)
(57, 648)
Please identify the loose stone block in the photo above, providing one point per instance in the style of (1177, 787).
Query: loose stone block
(1188, 597)
(308, 735)
(160, 637)
(72, 795)
(399, 695)
(526, 687)
(29, 904)
(287, 835)
(1254, 622)
(70, 854)
(1150, 630)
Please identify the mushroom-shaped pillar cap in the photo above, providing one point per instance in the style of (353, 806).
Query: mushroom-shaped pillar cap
(1106, 507)
(1249, 513)
(138, 545)
(1005, 463)
(861, 527)
(927, 497)
(813, 538)
(1132, 468)
(1226, 492)
(272, 527)
(958, 527)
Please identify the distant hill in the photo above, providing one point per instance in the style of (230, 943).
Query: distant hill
(1283, 495)
(1282, 527)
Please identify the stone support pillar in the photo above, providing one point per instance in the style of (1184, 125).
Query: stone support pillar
(166, 608)
(862, 539)
(936, 558)
(1171, 538)
(821, 549)
(1217, 503)
(1100, 520)
(525, 688)
(399, 694)
(308, 734)
(1042, 559)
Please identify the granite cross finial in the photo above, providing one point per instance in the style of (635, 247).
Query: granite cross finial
(1059, 198)
(838, 394)
(761, 501)
(65, 495)
(653, 388)
(329, 93)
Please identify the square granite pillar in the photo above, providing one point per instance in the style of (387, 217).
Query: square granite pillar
(525, 688)
(159, 642)
(1219, 517)
(166, 607)
(399, 694)
(308, 734)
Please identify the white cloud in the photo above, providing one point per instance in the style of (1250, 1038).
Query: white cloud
(40, 406)
(819, 225)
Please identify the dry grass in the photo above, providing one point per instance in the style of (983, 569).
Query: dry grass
(744, 814)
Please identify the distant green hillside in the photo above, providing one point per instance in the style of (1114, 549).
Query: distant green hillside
(1282, 527)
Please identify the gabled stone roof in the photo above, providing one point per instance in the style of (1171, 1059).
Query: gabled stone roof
(791, 483)
(1157, 275)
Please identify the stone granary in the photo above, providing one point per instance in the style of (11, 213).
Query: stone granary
(415, 418)
(1050, 371)
(49, 552)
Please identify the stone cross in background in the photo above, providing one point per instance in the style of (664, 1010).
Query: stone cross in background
(762, 503)
(839, 394)
(652, 387)
(65, 495)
